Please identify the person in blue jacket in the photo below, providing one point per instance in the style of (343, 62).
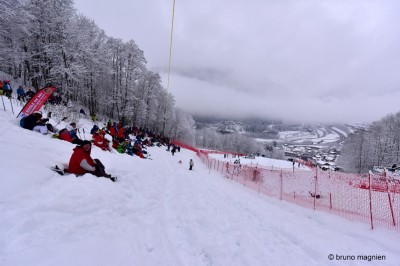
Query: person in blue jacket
(21, 93)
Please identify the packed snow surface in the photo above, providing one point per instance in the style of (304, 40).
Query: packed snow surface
(158, 213)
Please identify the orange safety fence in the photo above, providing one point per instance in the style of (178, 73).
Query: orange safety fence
(368, 198)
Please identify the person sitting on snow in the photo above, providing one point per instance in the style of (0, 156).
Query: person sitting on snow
(81, 162)
(35, 122)
(100, 141)
(114, 131)
(29, 94)
(135, 149)
(122, 146)
(94, 129)
(69, 134)
(121, 133)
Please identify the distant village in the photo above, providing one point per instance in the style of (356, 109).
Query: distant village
(325, 158)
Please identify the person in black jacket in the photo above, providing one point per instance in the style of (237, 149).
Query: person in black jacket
(29, 94)
(35, 122)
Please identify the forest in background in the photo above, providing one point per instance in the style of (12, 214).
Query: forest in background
(376, 145)
(47, 42)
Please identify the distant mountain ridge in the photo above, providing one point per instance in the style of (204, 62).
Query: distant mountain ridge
(268, 129)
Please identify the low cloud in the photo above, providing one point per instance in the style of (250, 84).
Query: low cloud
(320, 61)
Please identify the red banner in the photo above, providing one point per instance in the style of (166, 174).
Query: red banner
(37, 101)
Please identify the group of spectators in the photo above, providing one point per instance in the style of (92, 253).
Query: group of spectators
(131, 139)
(24, 96)
(6, 90)
(125, 139)
(55, 98)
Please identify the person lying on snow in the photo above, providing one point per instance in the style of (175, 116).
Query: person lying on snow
(35, 122)
(81, 162)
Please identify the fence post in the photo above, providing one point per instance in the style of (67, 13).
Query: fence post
(390, 203)
(281, 175)
(315, 186)
(330, 200)
(11, 106)
(370, 202)
(3, 103)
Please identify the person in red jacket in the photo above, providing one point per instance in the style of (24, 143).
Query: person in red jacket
(121, 132)
(100, 141)
(81, 162)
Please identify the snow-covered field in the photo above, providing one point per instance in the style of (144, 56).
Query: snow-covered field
(268, 163)
(301, 136)
(159, 213)
(340, 131)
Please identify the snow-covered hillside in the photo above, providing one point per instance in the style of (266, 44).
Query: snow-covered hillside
(158, 213)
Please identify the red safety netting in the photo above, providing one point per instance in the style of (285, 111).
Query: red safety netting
(372, 199)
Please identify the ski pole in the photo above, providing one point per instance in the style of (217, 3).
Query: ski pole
(79, 133)
(84, 137)
(61, 121)
(3, 103)
(11, 106)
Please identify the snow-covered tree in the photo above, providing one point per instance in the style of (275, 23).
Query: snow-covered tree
(44, 41)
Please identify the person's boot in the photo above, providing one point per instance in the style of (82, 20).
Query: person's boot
(110, 177)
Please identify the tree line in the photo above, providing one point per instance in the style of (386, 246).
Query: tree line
(47, 41)
(376, 145)
(209, 138)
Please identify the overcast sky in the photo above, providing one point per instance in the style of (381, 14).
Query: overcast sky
(300, 60)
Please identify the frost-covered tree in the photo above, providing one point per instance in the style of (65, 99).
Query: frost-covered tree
(378, 145)
(44, 41)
